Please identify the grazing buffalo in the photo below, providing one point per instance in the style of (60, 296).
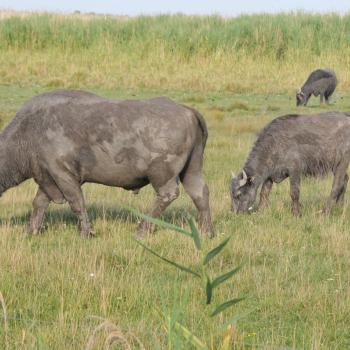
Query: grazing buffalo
(321, 82)
(292, 146)
(65, 138)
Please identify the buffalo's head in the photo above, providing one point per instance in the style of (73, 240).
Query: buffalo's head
(243, 192)
(300, 97)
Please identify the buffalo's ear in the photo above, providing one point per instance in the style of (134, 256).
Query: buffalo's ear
(250, 180)
(300, 93)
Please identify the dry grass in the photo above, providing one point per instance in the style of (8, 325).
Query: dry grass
(116, 70)
(112, 335)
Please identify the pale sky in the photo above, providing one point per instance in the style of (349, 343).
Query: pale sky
(136, 7)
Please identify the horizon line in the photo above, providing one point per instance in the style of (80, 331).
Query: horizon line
(169, 13)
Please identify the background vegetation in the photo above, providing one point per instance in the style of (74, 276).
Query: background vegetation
(295, 273)
(174, 52)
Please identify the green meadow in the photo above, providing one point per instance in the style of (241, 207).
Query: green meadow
(240, 73)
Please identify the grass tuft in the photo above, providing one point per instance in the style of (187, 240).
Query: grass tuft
(112, 334)
(4, 312)
(240, 105)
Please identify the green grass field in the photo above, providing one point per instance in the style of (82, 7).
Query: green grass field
(58, 287)
(295, 272)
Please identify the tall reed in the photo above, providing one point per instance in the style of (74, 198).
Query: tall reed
(260, 53)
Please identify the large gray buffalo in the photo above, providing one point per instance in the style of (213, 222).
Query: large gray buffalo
(292, 146)
(65, 138)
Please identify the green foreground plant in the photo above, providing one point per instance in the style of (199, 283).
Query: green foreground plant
(201, 273)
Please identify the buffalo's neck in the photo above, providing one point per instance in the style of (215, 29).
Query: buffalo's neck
(14, 162)
(307, 90)
(257, 167)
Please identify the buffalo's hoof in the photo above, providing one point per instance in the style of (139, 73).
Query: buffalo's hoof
(208, 232)
(296, 213)
(210, 235)
(325, 211)
(263, 205)
(30, 231)
(144, 229)
(88, 234)
(140, 235)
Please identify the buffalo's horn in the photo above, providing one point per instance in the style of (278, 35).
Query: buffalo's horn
(244, 179)
(299, 91)
(233, 175)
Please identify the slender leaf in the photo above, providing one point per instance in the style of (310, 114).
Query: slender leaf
(228, 336)
(225, 305)
(215, 251)
(209, 290)
(189, 336)
(218, 280)
(195, 233)
(182, 268)
(40, 343)
(158, 222)
(234, 319)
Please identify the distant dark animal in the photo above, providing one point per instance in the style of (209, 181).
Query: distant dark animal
(292, 146)
(321, 82)
(65, 138)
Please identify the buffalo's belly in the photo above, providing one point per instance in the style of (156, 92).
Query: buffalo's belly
(130, 183)
(121, 169)
(120, 176)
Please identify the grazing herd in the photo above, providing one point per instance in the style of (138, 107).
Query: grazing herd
(65, 138)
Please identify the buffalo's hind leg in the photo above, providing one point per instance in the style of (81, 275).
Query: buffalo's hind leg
(340, 181)
(71, 191)
(195, 186)
(166, 194)
(40, 204)
(199, 193)
(326, 98)
(340, 197)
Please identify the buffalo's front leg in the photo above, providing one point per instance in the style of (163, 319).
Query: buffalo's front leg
(294, 180)
(40, 204)
(165, 195)
(321, 99)
(265, 192)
